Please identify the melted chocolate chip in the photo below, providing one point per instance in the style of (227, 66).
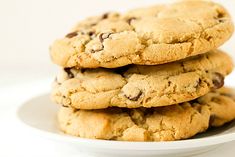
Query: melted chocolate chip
(68, 71)
(71, 35)
(92, 51)
(91, 33)
(130, 20)
(218, 80)
(105, 16)
(65, 105)
(135, 97)
(220, 15)
(103, 36)
(221, 20)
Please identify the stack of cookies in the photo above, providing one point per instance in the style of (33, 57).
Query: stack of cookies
(150, 74)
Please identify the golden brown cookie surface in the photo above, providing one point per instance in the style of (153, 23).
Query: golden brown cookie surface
(147, 36)
(168, 123)
(142, 86)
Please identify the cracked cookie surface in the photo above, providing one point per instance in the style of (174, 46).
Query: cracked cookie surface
(145, 36)
(142, 86)
(167, 123)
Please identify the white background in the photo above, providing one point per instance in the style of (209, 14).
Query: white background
(27, 28)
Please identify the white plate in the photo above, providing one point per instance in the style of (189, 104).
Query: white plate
(39, 114)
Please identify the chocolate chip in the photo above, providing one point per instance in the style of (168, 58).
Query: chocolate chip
(103, 36)
(130, 20)
(134, 97)
(92, 51)
(220, 15)
(105, 16)
(91, 33)
(209, 38)
(221, 20)
(65, 106)
(72, 34)
(218, 80)
(98, 48)
(68, 71)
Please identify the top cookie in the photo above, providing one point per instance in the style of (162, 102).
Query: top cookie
(147, 36)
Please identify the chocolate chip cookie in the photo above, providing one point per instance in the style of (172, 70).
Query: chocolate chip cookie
(142, 86)
(167, 123)
(145, 36)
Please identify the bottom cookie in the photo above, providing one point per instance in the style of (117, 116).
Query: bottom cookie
(168, 123)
